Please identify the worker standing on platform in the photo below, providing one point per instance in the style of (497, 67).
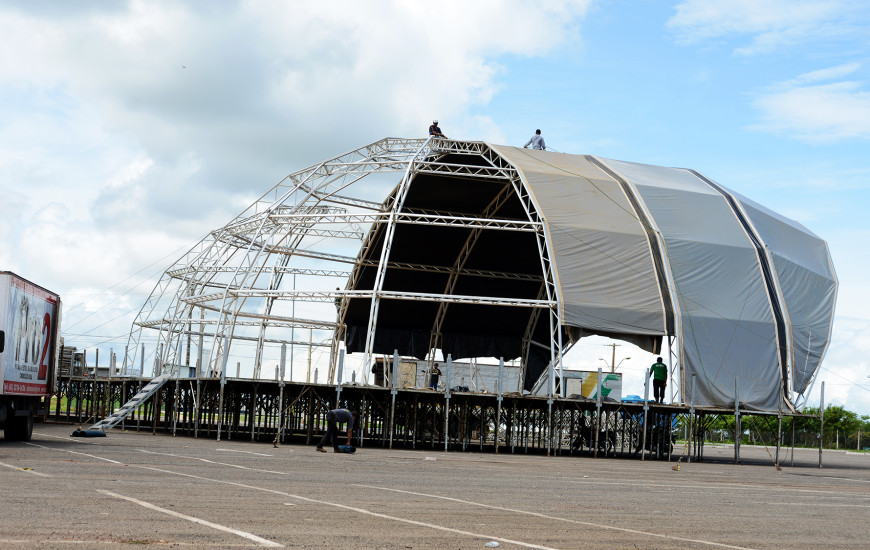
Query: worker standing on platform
(660, 380)
(333, 418)
(434, 374)
(536, 141)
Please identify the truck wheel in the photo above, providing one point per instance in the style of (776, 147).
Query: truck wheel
(19, 428)
(26, 427)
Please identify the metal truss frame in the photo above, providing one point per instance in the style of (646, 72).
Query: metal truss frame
(233, 285)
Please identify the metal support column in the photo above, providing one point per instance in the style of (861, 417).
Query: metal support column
(394, 373)
(447, 401)
(597, 414)
(499, 399)
(821, 423)
(645, 414)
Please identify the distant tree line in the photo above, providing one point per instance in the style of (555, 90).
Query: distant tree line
(843, 429)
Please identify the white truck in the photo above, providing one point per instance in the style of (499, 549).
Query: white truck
(29, 345)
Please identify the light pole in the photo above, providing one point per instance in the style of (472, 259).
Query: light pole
(611, 365)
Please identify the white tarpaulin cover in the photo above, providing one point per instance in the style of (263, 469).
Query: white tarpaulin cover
(808, 283)
(647, 250)
(605, 268)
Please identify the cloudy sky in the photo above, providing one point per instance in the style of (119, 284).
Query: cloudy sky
(130, 129)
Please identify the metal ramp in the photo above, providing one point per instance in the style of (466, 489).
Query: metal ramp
(147, 391)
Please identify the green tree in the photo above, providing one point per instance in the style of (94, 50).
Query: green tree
(841, 425)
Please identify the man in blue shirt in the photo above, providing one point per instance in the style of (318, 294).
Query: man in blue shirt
(333, 418)
(435, 131)
(536, 141)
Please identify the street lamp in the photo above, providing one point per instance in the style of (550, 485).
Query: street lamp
(612, 367)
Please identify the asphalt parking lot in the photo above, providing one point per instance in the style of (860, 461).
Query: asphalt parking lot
(140, 489)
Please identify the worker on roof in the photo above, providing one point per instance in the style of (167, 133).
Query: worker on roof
(435, 131)
(536, 141)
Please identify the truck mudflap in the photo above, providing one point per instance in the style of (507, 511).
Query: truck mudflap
(19, 420)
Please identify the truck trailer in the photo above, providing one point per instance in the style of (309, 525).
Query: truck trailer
(29, 346)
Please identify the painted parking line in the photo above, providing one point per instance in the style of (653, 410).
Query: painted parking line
(246, 452)
(237, 466)
(70, 438)
(103, 543)
(25, 470)
(359, 510)
(817, 505)
(244, 534)
(556, 518)
(765, 489)
(76, 453)
(849, 479)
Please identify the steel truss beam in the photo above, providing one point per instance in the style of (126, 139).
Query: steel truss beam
(507, 173)
(242, 257)
(404, 217)
(394, 295)
(394, 152)
(217, 280)
(463, 170)
(180, 273)
(273, 321)
(179, 331)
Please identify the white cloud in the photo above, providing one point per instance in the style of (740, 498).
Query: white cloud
(817, 106)
(851, 258)
(128, 129)
(253, 89)
(806, 109)
(771, 24)
(830, 73)
(846, 368)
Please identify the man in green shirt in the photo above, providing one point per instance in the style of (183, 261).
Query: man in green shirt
(660, 379)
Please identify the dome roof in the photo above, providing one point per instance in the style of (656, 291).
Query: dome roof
(482, 250)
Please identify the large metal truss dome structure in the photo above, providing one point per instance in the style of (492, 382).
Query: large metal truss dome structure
(470, 249)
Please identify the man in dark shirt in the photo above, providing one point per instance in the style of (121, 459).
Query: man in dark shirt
(333, 418)
(433, 377)
(435, 131)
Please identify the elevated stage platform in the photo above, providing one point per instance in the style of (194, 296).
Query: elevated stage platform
(272, 412)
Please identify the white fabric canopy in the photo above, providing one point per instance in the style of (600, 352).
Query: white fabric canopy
(808, 284)
(647, 250)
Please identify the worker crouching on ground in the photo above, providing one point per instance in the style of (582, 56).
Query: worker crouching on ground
(333, 418)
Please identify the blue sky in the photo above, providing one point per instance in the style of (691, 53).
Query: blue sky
(130, 129)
